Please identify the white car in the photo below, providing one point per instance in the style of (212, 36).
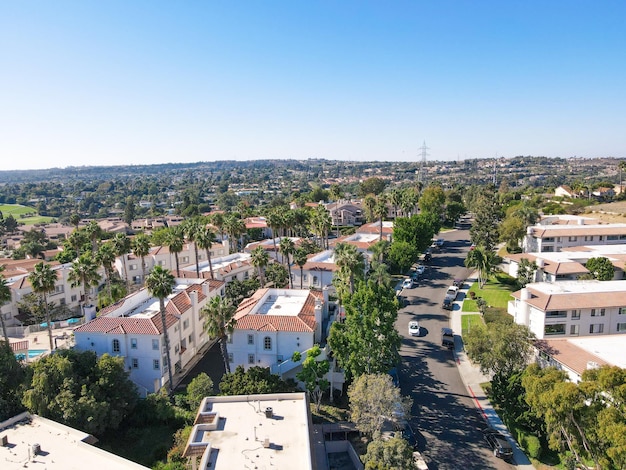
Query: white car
(452, 292)
(407, 284)
(414, 328)
(440, 242)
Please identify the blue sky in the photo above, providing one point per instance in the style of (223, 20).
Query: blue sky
(133, 82)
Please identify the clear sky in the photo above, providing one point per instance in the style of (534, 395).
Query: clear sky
(111, 82)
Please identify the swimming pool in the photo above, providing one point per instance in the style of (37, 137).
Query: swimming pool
(32, 353)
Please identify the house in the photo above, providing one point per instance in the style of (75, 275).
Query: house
(565, 191)
(274, 323)
(571, 308)
(374, 228)
(132, 328)
(272, 246)
(258, 223)
(33, 441)
(346, 213)
(236, 266)
(317, 272)
(252, 431)
(543, 238)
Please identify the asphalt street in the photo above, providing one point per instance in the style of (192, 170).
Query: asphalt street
(444, 417)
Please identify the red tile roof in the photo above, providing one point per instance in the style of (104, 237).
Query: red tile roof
(127, 325)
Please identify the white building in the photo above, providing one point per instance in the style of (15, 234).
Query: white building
(375, 228)
(252, 431)
(544, 237)
(236, 266)
(317, 272)
(132, 328)
(571, 308)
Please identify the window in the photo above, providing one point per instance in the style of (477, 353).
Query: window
(547, 249)
(133, 267)
(155, 344)
(184, 259)
(588, 238)
(575, 314)
(621, 327)
(135, 363)
(557, 329)
(185, 324)
(133, 343)
(250, 358)
(548, 239)
(116, 345)
(156, 365)
(58, 290)
(612, 237)
(74, 298)
(230, 339)
(305, 278)
(250, 339)
(231, 358)
(597, 312)
(573, 330)
(190, 339)
(596, 328)
(161, 263)
(176, 348)
(622, 311)
(315, 280)
(267, 343)
(246, 275)
(573, 239)
(556, 314)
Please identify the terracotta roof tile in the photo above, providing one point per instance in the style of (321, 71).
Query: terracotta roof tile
(568, 354)
(127, 325)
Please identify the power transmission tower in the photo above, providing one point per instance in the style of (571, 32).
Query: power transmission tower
(421, 178)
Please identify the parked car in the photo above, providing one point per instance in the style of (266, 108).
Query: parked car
(452, 292)
(447, 338)
(498, 443)
(440, 242)
(458, 283)
(414, 328)
(447, 303)
(407, 284)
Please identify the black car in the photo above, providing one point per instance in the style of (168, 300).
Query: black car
(447, 303)
(498, 443)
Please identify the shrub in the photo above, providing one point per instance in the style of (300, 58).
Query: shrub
(472, 295)
(533, 446)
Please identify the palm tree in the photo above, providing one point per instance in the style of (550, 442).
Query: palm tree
(622, 167)
(160, 284)
(350, 260)
(380, 211)
(121, 245)
(84, 272)
(106, 257)
(322, 223)
(42, 280)
(5, 297)
(482, 260)
(235, 227)
(287, 247)
(369, 203)
(220, 322)
(300, 258)
(410, 198)
(94, 232)
(205, 238)
(175, 241)
(274, 221)
(217, 219)
(260, 259)
(379, 250)
(191, 229)
(395, 198)
(379, 274)
(141, 248)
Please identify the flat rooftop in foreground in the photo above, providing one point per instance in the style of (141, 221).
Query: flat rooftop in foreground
(62, 447)
(247, 436)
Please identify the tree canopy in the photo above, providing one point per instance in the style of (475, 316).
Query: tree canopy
(601, 268)
(252, 381)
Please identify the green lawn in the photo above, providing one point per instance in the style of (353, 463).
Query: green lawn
(469, 321)
(23, 214)
(496, 292)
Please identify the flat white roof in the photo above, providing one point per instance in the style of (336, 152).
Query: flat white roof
(143, 305)
(62, 448)
(609, 348)
(220, 262)
(284, 302)
(363, 237)
(246, 438)
(326, 256)
(578, 287)
(591, 251)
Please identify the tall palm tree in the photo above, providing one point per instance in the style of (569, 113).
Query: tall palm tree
(77, 241)
(274, 221)
(191, 229)
(94, 232)
(141, 248)
(481, 259)
(42, 280)
(235, 228)
(395, 198)
(379, 273)
(369, 202)
(349, 259)
(121, 245)
(160, 284)
(217, 220)
(300, 258)
(380, 211)
(220, 321)
(260, 259)
(175, 241)
(205, 238)
(287, 247)
(84, 272)
(106, 257)
(322, 223)
(410, 198)
(5, 297)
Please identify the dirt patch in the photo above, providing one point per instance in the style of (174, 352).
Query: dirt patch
(613, 212)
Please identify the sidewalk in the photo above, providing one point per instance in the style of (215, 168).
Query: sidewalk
(472, 378)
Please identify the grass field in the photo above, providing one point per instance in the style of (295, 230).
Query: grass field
(496, 292)
(469, 321)
(23, 214)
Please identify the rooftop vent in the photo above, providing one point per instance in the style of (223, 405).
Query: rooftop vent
(269, 412)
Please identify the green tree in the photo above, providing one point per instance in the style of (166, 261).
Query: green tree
(485, 228)
(191, 228)
(380, 212)
(84, 272)
(201, 386)
(483, 260)
(367, 341)
(602, 268)
(105, 256)
(313, 374)
(80, 390)
(121, 245)
(287, 247)
(350, 260)
(379, 274)
(219, 316)
(175, 240)
(140, 246)
(390, 454)
(43, 280)
(260, 259)
(253, 381)
(512, 230)
(276, 275)
(129, 211)
(454, 210)
(205, 239)
(402, 255)
(373, 186)
(12, 376)
(161, 284)
(300, 258)
(5, 297)
(526, 272)
(237, 290)
(374, 401)
(417, 230)
(432, 200)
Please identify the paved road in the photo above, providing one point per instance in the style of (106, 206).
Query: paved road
(445, 419)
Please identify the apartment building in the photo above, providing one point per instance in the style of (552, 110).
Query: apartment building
(236, 266)
(543, 238)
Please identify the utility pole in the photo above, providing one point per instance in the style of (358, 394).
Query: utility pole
(421, 178)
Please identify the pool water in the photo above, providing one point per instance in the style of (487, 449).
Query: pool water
(32, 353)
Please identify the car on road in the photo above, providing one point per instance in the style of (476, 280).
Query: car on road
(447, 304)
(447, 338)
(440, 242)
(498, 443)
(407, 284)
(458, 283)
(414, 328)
(452, 292)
